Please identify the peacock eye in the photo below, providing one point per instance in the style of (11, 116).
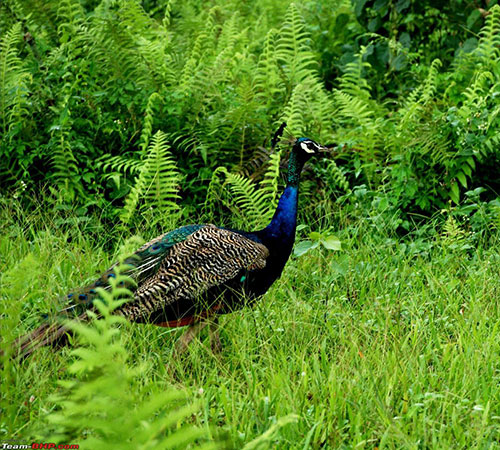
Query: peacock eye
(306, 148)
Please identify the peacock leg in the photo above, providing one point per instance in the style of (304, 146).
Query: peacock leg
(213, 332)
(184, 341)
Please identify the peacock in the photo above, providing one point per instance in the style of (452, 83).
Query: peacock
(189, 275)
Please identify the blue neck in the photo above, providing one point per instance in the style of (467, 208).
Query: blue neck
(284, 221)
(281, 230)
(282, 226)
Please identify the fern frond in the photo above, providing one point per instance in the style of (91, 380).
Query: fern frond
(120, 164)
(293, 114)
(151, 41)
(71, 15)
(293, 51)
(478, 90)
(236, 119)
(352, 81)
(489, 43)
(253, 204)
(147, 127)
(271, 178)
(202, 47)
(135, 18)
(157, 184)
(362, 121)
(353, 98)
(118, 41)
(213, 191)
(229, 34)
(65, 166)
(167, 16)
(268, 81)
(309, 111)
(336, 176)
(14, 81)
(430, 84)
(415, 128)
(420, 96)
(222, 69)
(354, 109)
(190, 144)
(453, 236)
(429, 141)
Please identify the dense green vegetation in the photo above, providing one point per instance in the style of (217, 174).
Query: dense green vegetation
(119, 119)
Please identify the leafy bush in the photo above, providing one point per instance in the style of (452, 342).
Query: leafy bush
(408, 95)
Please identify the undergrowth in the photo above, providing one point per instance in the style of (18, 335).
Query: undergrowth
(387, 342)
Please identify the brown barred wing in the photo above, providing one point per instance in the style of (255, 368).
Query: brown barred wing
(208, 258)
(141, 266)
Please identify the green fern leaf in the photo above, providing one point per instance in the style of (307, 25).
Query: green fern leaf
(293, 51)
(14, 81)
(157, 184)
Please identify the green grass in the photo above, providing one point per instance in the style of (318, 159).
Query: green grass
(388, 343)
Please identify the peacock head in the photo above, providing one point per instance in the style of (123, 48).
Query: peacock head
(305, 148)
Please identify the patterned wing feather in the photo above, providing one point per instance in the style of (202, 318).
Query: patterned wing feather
(209, 257)
(143, 264)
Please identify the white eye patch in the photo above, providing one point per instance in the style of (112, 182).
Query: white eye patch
(306, 148)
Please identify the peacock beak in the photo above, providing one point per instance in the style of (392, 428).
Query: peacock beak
(327, 148)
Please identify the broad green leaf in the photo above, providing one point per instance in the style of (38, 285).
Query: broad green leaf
(303, 247)
(455, 193)
(315, 236)
(462, 179)
(332, 242)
